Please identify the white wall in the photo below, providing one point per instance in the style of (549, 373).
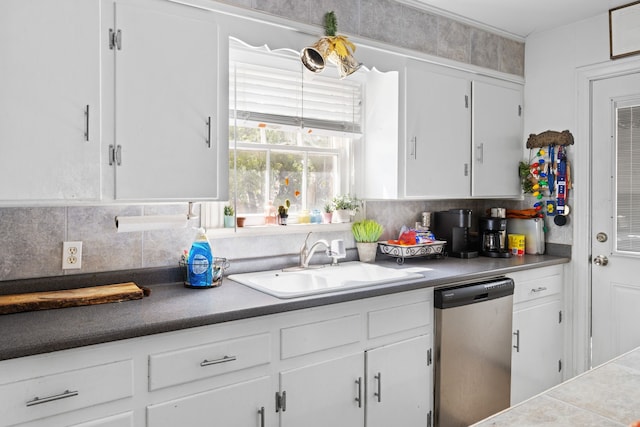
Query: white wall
(551, 60)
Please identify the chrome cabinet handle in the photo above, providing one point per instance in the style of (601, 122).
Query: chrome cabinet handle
(225, 359)
(261, 413)
(359, 396)
(86, 123)
(118, 155)
(378, 394)
(480, 152)
(40, 400)
(539, 289)
(517, 346)
(208, 139)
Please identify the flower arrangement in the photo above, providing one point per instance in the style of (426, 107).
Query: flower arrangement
(367, 231)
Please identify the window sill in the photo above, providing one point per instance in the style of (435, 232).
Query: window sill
(269, 230)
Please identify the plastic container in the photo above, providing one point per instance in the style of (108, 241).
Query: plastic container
(200, 262)
(217, 273)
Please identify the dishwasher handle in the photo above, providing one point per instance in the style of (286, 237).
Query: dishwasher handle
(460, 295)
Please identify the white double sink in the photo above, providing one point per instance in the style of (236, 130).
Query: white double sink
(291, 283)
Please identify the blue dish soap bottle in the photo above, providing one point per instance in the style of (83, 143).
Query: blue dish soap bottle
(200, 262)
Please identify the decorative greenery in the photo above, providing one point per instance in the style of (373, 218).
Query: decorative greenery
(366, 231)
(328, 207)
(330, 24)
(228, 210)
(346, 202)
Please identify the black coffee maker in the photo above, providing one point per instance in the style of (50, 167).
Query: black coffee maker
(453, 226)
(493, 237)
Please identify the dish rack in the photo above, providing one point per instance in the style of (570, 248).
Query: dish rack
(217, 273)
(401, 252)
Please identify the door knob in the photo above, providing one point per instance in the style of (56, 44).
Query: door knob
(601, 260)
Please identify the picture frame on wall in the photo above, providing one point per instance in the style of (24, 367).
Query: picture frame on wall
(624, 30)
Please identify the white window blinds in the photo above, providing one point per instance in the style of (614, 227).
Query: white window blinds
(628, 178)
(275, 89)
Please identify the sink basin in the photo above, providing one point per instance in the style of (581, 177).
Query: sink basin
(291, 283)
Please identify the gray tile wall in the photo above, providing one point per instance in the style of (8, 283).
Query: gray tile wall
(31, 238)
(399, 24)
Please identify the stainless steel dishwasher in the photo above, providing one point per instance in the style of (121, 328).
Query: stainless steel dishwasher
(473, 351)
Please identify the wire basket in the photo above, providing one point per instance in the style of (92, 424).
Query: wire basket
(214, 279)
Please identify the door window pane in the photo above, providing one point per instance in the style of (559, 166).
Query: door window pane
(628, 178)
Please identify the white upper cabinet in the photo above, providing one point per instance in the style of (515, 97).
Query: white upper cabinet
(167, 143)
(437, 116)
(49, 100)
(460, 136)
(497, 139)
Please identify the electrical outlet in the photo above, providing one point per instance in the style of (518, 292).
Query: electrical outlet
(71, 255)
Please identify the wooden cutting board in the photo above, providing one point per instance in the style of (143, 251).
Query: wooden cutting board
(70, 298)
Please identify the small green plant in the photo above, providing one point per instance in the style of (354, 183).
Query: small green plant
(228, 210)
(328, 207)
(367, 231)
(283, 209)
(346, 202)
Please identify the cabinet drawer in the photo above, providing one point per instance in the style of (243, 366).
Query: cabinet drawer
(401, 318)
(65, 391)
(190, 364)
(537, 286)
(317, 336)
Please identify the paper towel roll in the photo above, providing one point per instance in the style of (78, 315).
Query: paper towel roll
(126, 224)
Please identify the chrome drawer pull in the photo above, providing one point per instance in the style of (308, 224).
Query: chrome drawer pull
(378, 394)
(539, 289)
(225, 359)
(359, 397)
(39, 400)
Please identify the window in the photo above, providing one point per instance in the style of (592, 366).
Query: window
(291, 133)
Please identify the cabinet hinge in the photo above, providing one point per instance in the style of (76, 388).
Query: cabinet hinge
(466, 101)
(429, 416)
(519, 110)
(466, 169)
(560, 316)
(429, 358)
(560, 365)
(281, 401)
(115, 39)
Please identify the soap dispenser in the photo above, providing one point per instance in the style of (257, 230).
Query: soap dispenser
(200, 262)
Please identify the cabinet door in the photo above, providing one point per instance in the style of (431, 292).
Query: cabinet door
(438, 131)
(49, 100)
(165, 81)
(497, 140)
(326, 394)
(400, 384)
(535, 363)
(239, 405)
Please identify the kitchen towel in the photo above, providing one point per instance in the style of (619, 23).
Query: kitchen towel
(125, 224)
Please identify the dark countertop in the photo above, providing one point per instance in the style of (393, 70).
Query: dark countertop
(172, 307)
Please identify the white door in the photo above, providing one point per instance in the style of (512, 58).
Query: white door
(496, 140)
(399, 384)
(615, 213)
(438, 132)
(247, 404)
(49, 100)
(328, 394)
(166, 82)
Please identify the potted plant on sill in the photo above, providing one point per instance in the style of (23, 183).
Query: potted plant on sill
(327, 213)
(366, 233)
(283, 212)
(228, 216)
(344, 206)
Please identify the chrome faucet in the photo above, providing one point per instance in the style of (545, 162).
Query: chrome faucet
(335, 250)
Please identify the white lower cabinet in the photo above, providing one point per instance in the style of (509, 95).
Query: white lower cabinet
(325, 394)
(536, 362)
(238, 405)
(399, 378)
(360, 363)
